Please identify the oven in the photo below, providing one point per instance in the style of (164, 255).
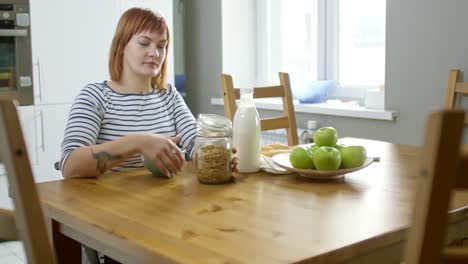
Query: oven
(15, 51)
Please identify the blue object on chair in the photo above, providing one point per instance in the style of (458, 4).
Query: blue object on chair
(180, 84)
(312, 92)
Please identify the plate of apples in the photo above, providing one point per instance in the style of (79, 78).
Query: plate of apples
(325, 158)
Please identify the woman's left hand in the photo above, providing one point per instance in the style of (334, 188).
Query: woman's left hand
(234, 161)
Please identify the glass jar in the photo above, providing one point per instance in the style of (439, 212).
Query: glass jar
(213, 149)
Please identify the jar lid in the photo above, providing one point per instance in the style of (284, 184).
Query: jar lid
(210, 125)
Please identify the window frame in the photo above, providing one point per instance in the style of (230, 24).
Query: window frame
(327, 49)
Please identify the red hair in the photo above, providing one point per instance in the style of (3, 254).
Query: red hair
(134, 21)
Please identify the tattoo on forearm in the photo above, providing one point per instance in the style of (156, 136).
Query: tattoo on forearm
(102, 159)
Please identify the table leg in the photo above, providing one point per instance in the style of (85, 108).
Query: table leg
(67, 250)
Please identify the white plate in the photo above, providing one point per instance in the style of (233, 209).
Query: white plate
(282, 160)
(267, 165)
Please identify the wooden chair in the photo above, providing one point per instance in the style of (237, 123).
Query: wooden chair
(455, 90)
(444, 167)
(287, 120)
(27, 222)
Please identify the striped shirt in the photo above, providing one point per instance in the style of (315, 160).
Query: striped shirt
(99, 114)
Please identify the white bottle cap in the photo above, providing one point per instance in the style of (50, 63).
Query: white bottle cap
(246, 93)
(312, 124)
(246, 90)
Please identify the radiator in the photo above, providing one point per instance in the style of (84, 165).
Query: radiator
(279, 136)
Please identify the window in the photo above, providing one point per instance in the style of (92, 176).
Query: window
(339, 40)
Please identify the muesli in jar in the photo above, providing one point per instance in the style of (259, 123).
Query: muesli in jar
(213, 149)
(214, 164)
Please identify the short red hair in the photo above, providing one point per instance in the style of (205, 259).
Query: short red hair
(134, 21)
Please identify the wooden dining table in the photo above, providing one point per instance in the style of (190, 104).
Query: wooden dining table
(134, 217)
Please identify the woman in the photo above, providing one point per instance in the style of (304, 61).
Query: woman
(113, 123)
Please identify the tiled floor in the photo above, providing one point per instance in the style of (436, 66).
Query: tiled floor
(12, 253)
(5, 201)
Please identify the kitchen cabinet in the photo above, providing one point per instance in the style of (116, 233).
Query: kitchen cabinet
(70, 46)
(43, 128)
(28, 126)
(49, 135)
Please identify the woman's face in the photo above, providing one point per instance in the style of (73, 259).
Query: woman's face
(145, 53)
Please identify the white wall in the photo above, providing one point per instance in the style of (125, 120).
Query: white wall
(178, 39)
(425, 39)
(239, 41)
(203, 54)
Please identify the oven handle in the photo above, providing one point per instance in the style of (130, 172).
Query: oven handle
(13, 33)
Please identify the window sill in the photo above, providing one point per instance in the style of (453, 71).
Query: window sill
(321, 109)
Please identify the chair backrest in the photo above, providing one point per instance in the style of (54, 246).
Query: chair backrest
(456, 89)
(283, 90)
(28, 218)
(443, 167)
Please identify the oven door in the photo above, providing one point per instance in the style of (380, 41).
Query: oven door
(16, 65)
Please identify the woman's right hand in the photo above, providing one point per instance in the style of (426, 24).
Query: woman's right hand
(162, 151)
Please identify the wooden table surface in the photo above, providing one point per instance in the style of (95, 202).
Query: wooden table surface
(262, 218)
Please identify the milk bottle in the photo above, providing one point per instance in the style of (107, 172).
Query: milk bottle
(246, 133)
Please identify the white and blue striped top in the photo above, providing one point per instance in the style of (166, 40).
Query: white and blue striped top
(99, 114)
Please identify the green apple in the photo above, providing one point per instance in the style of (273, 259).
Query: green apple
(153, 169)
(326, 136)
(339, 146)
(327, 158)
(301, 158)
(311, 156)
(312, 148)
(353, 156)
